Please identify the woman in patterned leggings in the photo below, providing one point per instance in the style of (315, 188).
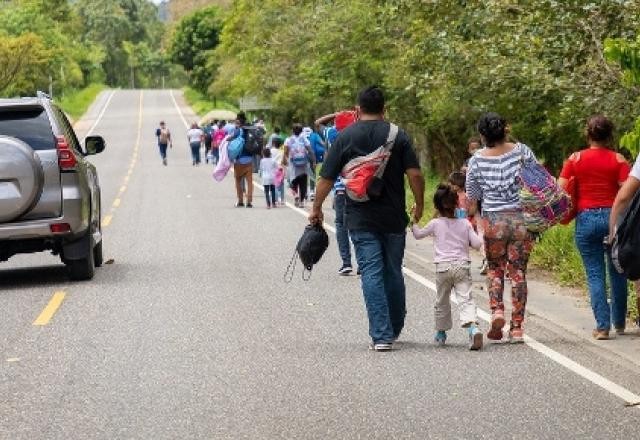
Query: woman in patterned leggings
(492, 179)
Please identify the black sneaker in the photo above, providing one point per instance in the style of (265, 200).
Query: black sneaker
(239, 205)
(345, 270)
(249, 205)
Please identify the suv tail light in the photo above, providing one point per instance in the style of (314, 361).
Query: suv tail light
(60, 228)
(66, 157)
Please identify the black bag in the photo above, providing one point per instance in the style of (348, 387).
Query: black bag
(253, 140)
(310, 248)
(625, 249)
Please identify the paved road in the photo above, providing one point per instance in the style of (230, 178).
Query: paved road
(192, 333)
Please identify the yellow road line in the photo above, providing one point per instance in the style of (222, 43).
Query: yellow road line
(106, 220)
(50, 309)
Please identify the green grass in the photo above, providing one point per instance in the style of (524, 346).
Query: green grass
(556, 252)
(201, 104)
(76, 102)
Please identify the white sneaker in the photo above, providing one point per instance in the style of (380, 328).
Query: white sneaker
(345, 270)
(381, 346)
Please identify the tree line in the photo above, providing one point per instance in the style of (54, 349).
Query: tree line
(66, 45)
(545, 64)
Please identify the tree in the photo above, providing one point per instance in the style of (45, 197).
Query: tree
(192, 43)
(21, 62)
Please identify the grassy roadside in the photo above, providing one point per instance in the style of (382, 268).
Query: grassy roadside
(201, 104)
(76, 102)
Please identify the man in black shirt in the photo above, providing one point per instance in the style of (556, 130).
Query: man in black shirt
(377, 227)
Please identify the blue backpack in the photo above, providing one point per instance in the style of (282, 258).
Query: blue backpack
(318, 148)
(330, 135)
(235, 147)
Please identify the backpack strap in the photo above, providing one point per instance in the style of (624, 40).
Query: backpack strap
(388, 146)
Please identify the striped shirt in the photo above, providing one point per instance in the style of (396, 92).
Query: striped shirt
(493, 179)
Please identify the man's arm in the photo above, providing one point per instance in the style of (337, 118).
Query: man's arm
(323, 120)
(323, 188)
(416, 183)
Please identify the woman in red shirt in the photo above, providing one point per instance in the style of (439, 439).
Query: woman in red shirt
(598, 172)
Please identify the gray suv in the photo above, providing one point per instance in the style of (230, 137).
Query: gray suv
(49, 193)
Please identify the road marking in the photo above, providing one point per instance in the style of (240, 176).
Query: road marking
(593, 377)
(101, 114)
(560, 359)
(184, 121)
(106, 221)
(50, 309)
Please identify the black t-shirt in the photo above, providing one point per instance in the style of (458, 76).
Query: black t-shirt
(388, 213)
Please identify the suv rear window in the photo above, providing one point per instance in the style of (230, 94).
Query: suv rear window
(30, 125)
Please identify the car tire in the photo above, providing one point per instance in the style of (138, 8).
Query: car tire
(98, 259)
(82, 269)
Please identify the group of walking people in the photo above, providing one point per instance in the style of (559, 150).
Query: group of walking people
(488, 190)
(477, 207)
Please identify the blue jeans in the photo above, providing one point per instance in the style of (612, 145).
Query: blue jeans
(592, 225)
(195, 152)
(379, 258)
(342, 235)
(163, 150)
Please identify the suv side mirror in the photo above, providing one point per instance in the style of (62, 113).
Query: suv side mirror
(94, 145)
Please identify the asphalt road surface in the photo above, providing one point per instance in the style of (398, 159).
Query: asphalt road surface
(191, 333)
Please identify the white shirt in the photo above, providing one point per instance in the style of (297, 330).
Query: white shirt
(195, 135)
(268, 170)
(635, 171)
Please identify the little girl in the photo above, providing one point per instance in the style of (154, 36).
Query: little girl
(451, 246)
(268, 169)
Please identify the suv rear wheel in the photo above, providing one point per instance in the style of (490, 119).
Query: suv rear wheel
(83, 268)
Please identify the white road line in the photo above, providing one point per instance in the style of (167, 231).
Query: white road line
(593, 377)
(101, 114)
(184, 121)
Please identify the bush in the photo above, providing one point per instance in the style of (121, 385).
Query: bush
(556, 251)
(76, 102)
(201, 104)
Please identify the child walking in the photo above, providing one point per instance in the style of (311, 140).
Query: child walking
(268, 169)
(451, 246)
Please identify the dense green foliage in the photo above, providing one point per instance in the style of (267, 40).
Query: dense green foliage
(540, 62)
(70, 44)
(192, 44)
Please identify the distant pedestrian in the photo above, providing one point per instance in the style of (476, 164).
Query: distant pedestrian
(599, 172)
(208, 140)
(492, 178)
(164, 140)
(377, 227)
(243, 167)
(453, 236)
(277, 153)
(330, 133)
(298, 156)
(268, 168)
(195, 136)
(219, 134)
